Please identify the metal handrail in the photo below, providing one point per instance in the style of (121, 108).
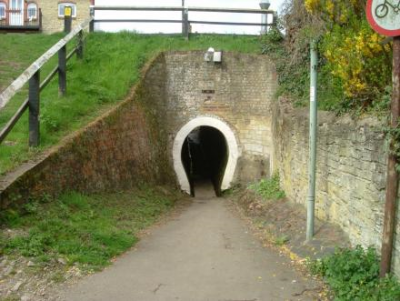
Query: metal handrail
(185, 11)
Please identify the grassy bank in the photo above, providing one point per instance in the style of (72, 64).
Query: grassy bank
(111, 66)
(18, 51)
(81, 230)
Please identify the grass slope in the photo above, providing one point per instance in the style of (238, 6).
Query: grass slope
(111, 65)
(18, 51)
(83, 230)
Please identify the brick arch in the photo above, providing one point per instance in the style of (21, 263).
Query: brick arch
(233, 147)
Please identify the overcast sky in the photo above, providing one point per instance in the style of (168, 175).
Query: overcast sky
(176, 28)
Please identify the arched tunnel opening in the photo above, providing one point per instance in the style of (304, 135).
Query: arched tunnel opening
(204, 156)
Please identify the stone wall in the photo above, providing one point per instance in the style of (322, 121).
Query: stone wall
(237, 91)
(134, 141)
(52, 23)
(351, 170)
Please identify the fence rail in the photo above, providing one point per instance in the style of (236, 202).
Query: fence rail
(185, 21)
(32, 76)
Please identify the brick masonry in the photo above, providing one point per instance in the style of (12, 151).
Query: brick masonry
(351, 171)
(239, 91)
(52, 23)
(117, 151)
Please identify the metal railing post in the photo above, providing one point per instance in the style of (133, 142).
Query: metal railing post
(79, 49)
(34, 109)
(186, 23)
(62, 71)
(183, 17)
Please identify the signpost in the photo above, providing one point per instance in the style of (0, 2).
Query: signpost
(384, 17)
(67, 19)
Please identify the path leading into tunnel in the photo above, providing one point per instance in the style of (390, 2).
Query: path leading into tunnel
(206, 253)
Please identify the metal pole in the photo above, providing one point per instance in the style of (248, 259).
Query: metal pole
(392, 174)
(313, 142)
(183, 18)
(186, 24)
(264, 21)
(34, 108)
(62, 71)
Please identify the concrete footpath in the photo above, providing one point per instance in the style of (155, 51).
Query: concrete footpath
(206, 253)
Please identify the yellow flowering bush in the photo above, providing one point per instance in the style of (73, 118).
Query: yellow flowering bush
(354, 53)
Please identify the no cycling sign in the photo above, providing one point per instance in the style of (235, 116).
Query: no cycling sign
(384, 16)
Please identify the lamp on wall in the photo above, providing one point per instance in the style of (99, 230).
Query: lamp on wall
(213, 56)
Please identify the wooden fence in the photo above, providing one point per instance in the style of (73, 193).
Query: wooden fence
(32, 76)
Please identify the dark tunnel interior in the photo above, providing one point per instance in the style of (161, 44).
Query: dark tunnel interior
(204, 156)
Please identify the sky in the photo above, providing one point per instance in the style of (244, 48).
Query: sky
(176, 28)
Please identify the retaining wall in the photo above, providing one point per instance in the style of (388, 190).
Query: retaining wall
(181, 86)
(117, 151)
(351, 170)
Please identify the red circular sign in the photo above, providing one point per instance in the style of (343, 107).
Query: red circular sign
(384, 16)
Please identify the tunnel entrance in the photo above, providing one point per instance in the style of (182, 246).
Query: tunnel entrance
(204, 156)
(233, 151)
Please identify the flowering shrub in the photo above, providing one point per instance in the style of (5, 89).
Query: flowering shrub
(354, 53)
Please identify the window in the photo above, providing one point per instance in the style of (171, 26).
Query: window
(32, 11)
(61, 9)
(2, 10)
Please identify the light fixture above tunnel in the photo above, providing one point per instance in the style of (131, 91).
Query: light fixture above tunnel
(213, 56)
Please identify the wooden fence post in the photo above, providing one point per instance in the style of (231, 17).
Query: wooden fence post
(34, 109)
(392, 186)
(62, 71)
(79, 51)
(67, 19)
(91, 24)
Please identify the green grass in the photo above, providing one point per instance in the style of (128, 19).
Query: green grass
(269, 189)
(18, 51)
(84, 230)
(111, 66)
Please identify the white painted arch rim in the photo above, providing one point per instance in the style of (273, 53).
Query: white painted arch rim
(231, 141)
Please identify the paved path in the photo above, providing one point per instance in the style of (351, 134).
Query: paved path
(204, 254)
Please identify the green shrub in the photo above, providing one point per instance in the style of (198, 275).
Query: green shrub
(353, 274)
(268, 188)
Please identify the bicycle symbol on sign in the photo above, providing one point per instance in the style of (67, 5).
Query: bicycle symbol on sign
(382, 10)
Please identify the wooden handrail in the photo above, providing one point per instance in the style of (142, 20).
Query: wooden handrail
(9, 92)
